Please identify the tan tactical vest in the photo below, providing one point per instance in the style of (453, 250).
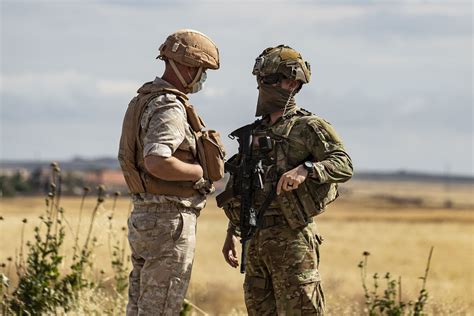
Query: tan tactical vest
(131, 145)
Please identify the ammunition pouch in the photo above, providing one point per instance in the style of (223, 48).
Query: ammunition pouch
(211, 154)
(308, 200)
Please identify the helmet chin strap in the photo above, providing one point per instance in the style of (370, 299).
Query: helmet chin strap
(187, 86)
(288, 101)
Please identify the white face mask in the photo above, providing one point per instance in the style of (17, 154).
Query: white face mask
(198, 85)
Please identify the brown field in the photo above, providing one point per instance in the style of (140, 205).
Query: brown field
(396, 222)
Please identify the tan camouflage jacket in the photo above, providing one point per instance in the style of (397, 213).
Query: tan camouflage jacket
(165, 129)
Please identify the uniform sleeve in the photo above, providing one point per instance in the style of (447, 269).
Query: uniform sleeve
(164, 124)
(233, 229)
(333, 163)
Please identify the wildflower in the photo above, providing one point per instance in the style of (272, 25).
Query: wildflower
(366, 253)
(124, 228)
(1, 218)
(25, 221)
(117, 193)
(86, 189)
(54, 164)
(10, 259)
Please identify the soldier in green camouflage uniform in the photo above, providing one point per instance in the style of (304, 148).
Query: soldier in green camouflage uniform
(304, 165)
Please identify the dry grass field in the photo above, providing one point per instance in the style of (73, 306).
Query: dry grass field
(396, 222)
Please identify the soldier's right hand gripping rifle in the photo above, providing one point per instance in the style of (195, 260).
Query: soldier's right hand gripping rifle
(247, 171)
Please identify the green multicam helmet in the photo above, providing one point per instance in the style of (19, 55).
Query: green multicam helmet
(282, 60)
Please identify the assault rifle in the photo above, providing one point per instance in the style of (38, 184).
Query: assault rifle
(247, 170)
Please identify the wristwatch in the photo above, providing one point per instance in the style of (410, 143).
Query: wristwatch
(309, 166)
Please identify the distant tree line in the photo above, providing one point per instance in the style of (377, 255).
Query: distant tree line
(37, 182)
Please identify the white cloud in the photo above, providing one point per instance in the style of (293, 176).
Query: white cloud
(116, 87)
(444, 9)
(43, 83)
(61, 84)
(214, 92)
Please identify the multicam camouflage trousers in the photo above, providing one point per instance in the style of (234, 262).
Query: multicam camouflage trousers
(282, 275)
(162, 238)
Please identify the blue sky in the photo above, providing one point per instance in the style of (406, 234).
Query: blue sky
(393, 77)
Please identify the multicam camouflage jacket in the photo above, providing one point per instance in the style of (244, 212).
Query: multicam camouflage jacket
(298, 137)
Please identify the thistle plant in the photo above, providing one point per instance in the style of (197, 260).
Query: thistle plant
(41, 285)
(390, 302)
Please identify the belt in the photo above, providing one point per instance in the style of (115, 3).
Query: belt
(272, 220)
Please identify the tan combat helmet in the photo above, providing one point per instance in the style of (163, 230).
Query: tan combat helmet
(282, 60)
(193, 49)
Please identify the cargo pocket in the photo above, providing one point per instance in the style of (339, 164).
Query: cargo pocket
(311, 298)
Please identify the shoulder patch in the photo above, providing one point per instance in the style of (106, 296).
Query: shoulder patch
(322, 126)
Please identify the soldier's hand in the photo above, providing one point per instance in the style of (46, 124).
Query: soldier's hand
(291, 179)
(229, 250)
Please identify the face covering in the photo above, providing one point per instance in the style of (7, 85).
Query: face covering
(272, 99)
(196, 84)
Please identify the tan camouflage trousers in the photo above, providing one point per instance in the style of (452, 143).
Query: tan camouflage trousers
(162, 239)
(282, 275)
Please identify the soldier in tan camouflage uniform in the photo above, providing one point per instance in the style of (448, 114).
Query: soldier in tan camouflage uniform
(305, 163)
(159, 161)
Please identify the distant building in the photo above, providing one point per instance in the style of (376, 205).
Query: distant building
(112, 178)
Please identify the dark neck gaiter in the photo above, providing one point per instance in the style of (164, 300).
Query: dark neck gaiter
(272, 99)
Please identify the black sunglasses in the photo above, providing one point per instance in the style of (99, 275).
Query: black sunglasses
(272, 79)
